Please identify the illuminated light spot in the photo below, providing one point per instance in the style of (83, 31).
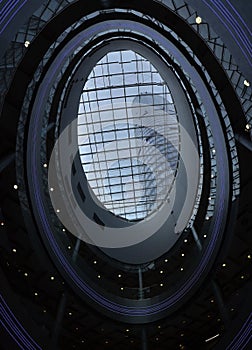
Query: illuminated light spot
(15, 187)
(52, 278)
(181, 269)
(249, 256)
(205, 236)
(224, 265)
(36, 294)
(182, 334)
(212, 301)
(26, 43)
(119, 276)
(99, 276)
(185, 240)
(246, 83)
(166, 260)
(45, 165)
(242, 277)
(182, 254)
(14, 250)
(127, 330)
(159, 327)
(122, 288)
(161, 271)
(209, 198)
(64, 230)
(70, 313)
(248, 127)
(51, 189)
(207, 217)
(161, 285)
(57, 210)
(2, 223)
(26, 274)
(44, 311)
(213, 151)
(69, 247)
(95, 262)
(198, 20)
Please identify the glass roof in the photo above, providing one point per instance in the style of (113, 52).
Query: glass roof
(128, 135)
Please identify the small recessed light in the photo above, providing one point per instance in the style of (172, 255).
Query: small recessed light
(69, 247)
(45, 165)
(51, 189)
(64, 230)
(26, 43)
(122, 288)
(182, 254)
(2, 223)
(213, 151)
(52, 278)
(207, 217)
(205, 236)
(181, 269)
(14, 250)
(44, 311)
(99, 276)
(246, 83)
(166, 260)
(212, 301)
(248, 127)
(224, 265)
(58, 210)
(242, 277)
(70, 313)
(36, 294)
(161, 271)
(26, 274)
(185, 240)
(249, 256)
(209, 198)
(127, 330)
(159, 326)
(15, 187)
(95, 262)
(119, 276)
(198, 20)
(161, 285)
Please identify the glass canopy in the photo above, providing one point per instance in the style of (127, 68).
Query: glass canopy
(128, 135)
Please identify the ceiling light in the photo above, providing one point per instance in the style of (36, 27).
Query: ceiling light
(181, 269)
(26, 43)
(26, 274)
(246, 83)
(64, 230)
(15, 187)
(207, 217)
(205, 236)
(248, 126)
(212, 301)
(121, 288)
(95, 262)
(69, 247)
(185, 240)
(36, 294)
(166, 260)
(198, 20)
(161, 285)
(213, 151)
(242, 277)
(51, 189)
(182, 254)
(14, 250)
(52, 278)
(45, 165)
(70, 313)
(99, 276)
(119, 276)
(161, 271)
(127, 330)
(224, 265)
(58, 210)
(209, 339)
(2, 223)
(249, 256)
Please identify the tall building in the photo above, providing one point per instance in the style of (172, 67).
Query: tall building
(126, 174)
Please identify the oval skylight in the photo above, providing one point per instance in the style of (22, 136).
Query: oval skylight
(128, 135)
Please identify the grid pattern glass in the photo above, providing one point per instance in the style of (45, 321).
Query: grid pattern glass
(128, 135)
